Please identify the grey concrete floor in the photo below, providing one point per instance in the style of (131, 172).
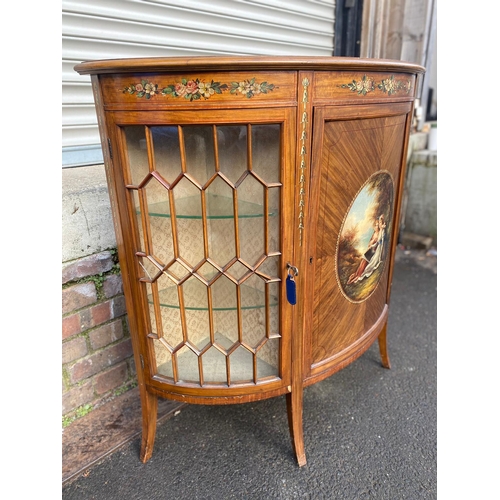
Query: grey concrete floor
(370, 433)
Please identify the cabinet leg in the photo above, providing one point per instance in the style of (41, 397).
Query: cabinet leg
(294, 410)
(149, 405)
(382, 344)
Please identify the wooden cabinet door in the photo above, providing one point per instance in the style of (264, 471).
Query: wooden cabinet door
(204, 207)
(358, 161)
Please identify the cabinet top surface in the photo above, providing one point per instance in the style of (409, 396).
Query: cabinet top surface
(235, 63)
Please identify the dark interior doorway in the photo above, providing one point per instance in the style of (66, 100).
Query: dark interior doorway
(347, 29)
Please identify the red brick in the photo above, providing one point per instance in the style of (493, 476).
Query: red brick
(100, 313)
(112, 285)
(86, 319)
(77, 396)
(88, 266)
(74, 349)
(106, 334)
(111, 379)
(71, 325)
(78, 296)
(100, 361)
(118, 307)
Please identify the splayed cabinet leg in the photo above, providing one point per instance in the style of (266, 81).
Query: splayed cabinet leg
(149, 419)
(294, 410)
(382, 344)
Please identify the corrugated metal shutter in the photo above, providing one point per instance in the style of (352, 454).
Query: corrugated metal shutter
(105, 29)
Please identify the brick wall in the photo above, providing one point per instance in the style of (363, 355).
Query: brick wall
(97, 358)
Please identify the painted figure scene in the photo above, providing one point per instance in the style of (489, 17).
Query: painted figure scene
(364, 238)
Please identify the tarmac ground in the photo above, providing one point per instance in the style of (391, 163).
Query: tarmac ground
(369, 432)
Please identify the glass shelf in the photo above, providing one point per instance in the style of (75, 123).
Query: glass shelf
(214, 365)
(223, 297)
(218, 207)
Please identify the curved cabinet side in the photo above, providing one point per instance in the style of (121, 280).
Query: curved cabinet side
(357, 173)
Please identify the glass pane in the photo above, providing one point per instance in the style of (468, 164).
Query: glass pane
(269, 269)
(207, 272)
(273, 230)
(254, 326)
(139, 225)
(253, 293)
(219, 200)
(168, 304)
(223, 294)
(251, 191)
(154, 328)
(160, 230)
(214, 366)
(221, 241)
(135, 137)
(220, 222)
(189, 229)
(238, 270)
(160, 225)
(272, 309)
(233, 158)
(194, 294)
(226, 327)
(266, 152)
(252, 242)
(163, 358)
(201, 263)
(251, 229)
(149, 268)
(172, 326)
(187, 365)
(157, 199)
(268, 359)
(241, 365)
(167, 154)
(200, 156)
(187, 198)
(198, 326)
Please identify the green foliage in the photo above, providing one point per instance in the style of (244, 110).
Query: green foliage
(116, 266)
(124, 389)
(99, 279)
(81, 411)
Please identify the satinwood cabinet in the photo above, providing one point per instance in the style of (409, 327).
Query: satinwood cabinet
(256, 204)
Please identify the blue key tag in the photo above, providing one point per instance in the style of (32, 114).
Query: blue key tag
(291, 290)
(291, 286)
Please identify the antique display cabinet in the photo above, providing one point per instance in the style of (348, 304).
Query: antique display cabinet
(256, 203)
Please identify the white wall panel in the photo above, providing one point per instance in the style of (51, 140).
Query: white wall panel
(108, 29)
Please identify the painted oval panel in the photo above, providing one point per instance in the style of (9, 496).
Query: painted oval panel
(363, 243)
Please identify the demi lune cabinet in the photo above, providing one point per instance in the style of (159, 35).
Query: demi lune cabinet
(256, 204)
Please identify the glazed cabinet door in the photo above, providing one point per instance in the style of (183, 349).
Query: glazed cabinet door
(205, 202)
(358, 164)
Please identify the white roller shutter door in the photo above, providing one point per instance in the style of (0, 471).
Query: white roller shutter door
(109, 29)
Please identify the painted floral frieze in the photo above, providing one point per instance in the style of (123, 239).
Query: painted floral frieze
(144, 89)
(249, 88)
(388, 86)
(361, 87)
(393, 86)
(196, 89)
